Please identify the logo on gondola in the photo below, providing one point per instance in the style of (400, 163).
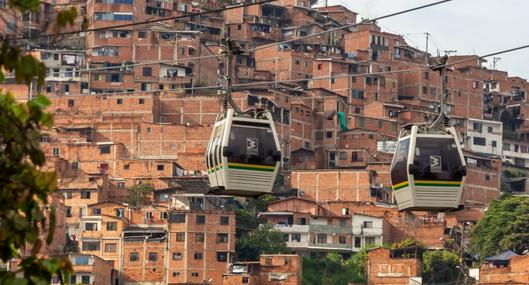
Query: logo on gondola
(435, 163)
(252, 146)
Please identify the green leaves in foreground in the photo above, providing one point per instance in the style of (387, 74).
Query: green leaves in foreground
(27, 222)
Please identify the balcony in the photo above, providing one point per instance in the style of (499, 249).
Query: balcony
(332, 246)
(295, 244)
(292, 228)
(330, 229)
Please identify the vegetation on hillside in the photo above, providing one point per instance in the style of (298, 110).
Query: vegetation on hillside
(504, 226)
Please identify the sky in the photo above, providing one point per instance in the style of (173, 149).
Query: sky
(468, 26)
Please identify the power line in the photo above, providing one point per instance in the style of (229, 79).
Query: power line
(488, 55)
(124, 66)
(147, 21)
(351, 25)
(228, 8)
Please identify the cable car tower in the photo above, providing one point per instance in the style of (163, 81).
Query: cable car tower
(428, 169)
(243, 155)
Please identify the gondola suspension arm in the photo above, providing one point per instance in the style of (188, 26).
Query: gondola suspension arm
(440, 123)
(230, 48)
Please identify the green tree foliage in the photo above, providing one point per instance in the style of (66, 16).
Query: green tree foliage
(246, 215)
(332, 270)
(440, 266)
(139, 194)
(25, 188)
(265, 239)
(504, 226)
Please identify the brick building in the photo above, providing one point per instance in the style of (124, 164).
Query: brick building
(270, 269)
(393, 267)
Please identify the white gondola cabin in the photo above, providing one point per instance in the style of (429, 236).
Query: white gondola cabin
(243, 156)
(428, 170)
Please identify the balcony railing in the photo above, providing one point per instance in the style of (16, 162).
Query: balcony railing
(330, 229)
(292, 228)
(331, 246)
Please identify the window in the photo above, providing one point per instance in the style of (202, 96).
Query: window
(110, 247)
(96, 211)
(177, 218)
(153, 256)
(90, 245)
(133, 256)
(490, 129)
(380, 124)
(194, 274)
(180, 237)
(85, 194)
(81, 260)
(361, 122)
(90, 227)
(121, 185)
(342, 239)
(160, 167)
(343, 155)
(147, 71)
(358, 242)
(73, 279)
(302, 221)
(126, 166)
(141, 101)
(426, 75)
(176, 273)
(75, 166)
(357, 94)
(177, 256)
(487, 177)
(478, 127)
(199, 237)
(245, 280)
(68, 211)
(85, 279)
(268, 261)
(200, 220)
(222, 238)
(142, 34)
(329, 134)
(222, 256)
(368, 224)
(295, 237)
(56, 151)
(480, 141)
(321, 238)
(67, 195)
(355, 156)
(224, 220)
(119, 101)
(120, 212)
(424, 90)
(112, 226)
(104, 149)
(198, 255)
(345, 211)
(493, 143)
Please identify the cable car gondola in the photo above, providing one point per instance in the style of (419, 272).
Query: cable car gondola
(243, 156)
(428, 169)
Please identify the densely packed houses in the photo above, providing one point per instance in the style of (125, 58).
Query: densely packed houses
(135, 105)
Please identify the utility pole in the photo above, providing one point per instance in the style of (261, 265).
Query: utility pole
(494, 61)
(427, 39)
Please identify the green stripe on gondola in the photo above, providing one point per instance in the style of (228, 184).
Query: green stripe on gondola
(213, 169)
(251, 167)
(429, 183)
(400, 185)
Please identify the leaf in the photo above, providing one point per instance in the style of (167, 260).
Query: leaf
(51, 225)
